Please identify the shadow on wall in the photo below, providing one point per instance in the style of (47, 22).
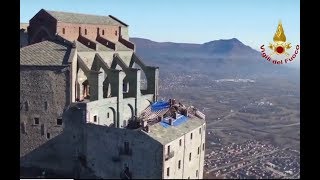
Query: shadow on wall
(56, 155)
(62, 154)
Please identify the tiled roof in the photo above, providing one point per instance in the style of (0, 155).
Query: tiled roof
(45, 53)
(85, 18)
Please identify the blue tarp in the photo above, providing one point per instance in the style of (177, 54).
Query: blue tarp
(159, 105)
(181, 119)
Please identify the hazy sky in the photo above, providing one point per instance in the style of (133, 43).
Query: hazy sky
(253, 22)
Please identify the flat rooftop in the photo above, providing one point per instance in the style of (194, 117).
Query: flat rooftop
(167, 134)
(168, 121)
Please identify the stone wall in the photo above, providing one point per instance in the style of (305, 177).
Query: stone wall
(44, 95)
(106, 158)
(188, 168)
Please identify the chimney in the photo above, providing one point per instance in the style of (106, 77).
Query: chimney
(144, 123)
(175, 115)
(173, 101)
(171, 121)
(185, 112)
(147, 129)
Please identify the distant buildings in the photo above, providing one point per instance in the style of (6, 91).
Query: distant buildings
(83, 111)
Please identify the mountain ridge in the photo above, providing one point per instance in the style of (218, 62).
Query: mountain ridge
(222, 58)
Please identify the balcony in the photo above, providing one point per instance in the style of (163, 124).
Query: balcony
(169, 156)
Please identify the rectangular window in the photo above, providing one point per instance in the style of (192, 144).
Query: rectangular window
(180, 142)
(85, 31)
(26, 106)
(46, 105)
(196, 173)
(126, 147)
(36, 121)
(42, 129)
(179, 164)
(95, 118)
(168, 171)
(59, 121)
(190, 157)
(108, 115)
(198, 150)
(200, 131)
(102, 32)
(116, 33)
(63, 31)
(48, 135)
(168, 150)
(191, 136)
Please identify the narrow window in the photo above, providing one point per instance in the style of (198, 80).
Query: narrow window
(63, 31)
(79, 30)
(125, 87)
(85, 31)
(26, 106)
(102, 32)
(126, 147)
(191, 136)
(190, 157)
(179, 164)
(98, 31)
(108, 115)
(36, 121)
(48, 135)
(180, 142)
(42, 129)
(168, 171)
(95, 118)
(200, 131)
(203, 147)
(46, 105)
(59, 121)
(196, 173)
(116, 33)
(168, 150)
(198, 150)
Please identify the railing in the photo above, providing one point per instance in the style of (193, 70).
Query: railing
(169, 156)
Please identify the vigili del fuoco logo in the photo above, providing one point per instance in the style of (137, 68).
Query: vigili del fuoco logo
(279, 48)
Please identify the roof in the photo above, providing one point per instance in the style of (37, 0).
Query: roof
(46, 53)
(119, 47)
(78, 18)
(167, 134)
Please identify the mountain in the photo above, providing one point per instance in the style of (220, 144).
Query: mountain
(225, 58)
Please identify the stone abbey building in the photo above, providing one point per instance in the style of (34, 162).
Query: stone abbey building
(84, 112)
